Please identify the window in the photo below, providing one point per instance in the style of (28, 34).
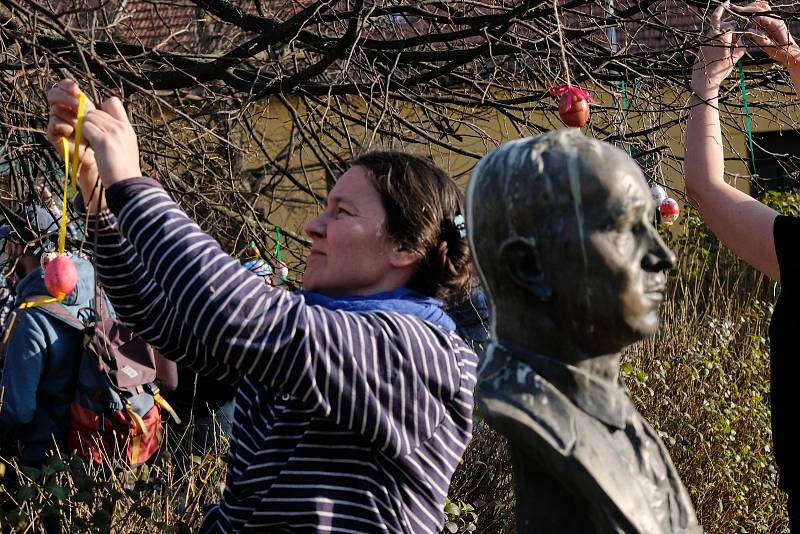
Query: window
(777, 161)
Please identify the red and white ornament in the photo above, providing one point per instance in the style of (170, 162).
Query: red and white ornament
(573, 107)
(669, 211)
(60, 276)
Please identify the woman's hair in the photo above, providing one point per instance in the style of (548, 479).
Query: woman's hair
(423, 209)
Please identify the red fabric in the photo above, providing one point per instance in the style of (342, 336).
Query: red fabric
(117, 440)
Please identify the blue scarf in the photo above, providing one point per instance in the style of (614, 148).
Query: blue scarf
(398, 301)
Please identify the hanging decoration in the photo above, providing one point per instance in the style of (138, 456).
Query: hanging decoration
(669, 211)
(658, 194)
(60, 273)
(255, 263)
(60, 277)
(573, 106)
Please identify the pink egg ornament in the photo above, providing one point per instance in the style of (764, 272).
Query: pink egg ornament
(669, 211)
(60, 276)
(573, 105)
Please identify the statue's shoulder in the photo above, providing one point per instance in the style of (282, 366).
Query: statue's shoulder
(517, 402)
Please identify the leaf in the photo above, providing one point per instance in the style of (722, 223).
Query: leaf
(56, 491)
(31, 472)
(451, 527)
(452, 509)
(25, 493)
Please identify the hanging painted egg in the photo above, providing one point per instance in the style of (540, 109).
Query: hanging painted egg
(658, 194)
(60, 276)
(573, 107)
(669, 211)
(252, 249)
(282, 270)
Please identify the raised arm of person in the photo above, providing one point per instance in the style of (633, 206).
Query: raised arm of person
(388, 376)
(742, 223)
(138, 300)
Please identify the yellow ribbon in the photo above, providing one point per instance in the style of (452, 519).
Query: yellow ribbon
(62, 231)
(78, 127)
(41, 302)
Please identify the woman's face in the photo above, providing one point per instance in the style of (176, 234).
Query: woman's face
(351, 254)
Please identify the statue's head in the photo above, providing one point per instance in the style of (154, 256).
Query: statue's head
(561, 231)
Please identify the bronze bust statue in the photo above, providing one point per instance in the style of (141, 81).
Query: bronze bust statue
(561, 231)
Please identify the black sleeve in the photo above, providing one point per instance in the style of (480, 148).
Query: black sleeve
(787, 231)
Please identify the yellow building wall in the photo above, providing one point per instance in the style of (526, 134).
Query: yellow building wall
(490, 129)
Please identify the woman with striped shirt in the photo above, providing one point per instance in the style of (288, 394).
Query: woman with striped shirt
(355, 400)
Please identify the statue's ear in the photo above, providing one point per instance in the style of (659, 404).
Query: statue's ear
(520, 258)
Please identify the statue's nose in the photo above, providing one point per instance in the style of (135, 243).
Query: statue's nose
(659, 257)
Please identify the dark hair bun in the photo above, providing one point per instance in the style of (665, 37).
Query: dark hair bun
(450, 262)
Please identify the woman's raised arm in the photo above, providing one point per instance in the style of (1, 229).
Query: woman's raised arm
(741, 222)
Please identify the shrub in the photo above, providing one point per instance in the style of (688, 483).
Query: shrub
(101, 499)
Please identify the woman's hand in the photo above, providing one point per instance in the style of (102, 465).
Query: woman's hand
(62, 100)
(110, 134)
(718, 56)
(771, 34)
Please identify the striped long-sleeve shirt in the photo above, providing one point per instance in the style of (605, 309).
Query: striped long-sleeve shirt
(345, 422)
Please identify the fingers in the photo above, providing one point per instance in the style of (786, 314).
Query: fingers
(752, 7)
(96, 125)
(775, 28)
(109, 121)
(761, 39)
(738, 50)
(93, 133)
(63, 102)
(66, 99)
(113, 106)
(716, 17)
(723, 28)
(68, 86)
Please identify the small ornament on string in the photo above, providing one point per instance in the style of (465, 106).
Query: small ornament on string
(252, 249)
(658, 194)
(573, 107)
(60, 273)
(60, 277)
(669, 211)
(282, 271)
